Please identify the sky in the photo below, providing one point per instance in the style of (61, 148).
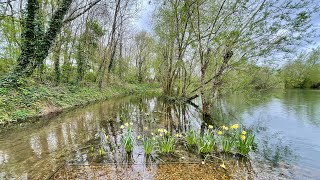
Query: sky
(144, 22)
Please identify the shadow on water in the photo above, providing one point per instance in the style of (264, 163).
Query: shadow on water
(79, 138)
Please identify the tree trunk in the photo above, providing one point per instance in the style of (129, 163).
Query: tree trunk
(56, 61)
(33, 55)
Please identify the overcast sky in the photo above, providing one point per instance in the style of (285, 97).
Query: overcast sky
(144, 22)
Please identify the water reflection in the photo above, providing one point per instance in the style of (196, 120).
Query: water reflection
(35, 145)
(4, 158)
(36, 151)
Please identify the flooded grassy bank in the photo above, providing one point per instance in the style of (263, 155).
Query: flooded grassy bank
(40, 101)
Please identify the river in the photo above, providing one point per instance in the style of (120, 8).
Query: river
(286, 123)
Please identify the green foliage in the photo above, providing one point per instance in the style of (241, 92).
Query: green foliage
(102, 152)
(3, 91)
(127, 137)
(303, 72)
(32, 99)
(148, 145)
(227, 144)
(207, 142)
(191, 138)
(244, 143)
(20, 114)
(166, 144)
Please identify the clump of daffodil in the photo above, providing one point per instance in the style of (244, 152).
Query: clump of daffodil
(235, 126)
(206, 142)
(149, 145)
(191, 138)
(165, 142)
(245, 143)
(127, 137)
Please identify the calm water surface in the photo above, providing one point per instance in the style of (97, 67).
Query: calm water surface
(287, 124)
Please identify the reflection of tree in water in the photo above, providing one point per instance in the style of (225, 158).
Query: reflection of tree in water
(303, 103)
(273, 150)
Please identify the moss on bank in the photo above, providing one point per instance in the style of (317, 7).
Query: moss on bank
(19, 104)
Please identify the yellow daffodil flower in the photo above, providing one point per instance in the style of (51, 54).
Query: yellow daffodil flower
(138, 137)
(235, 126)
(126, 124)
(225, 128)
(223, 166)
(152, 134)
(121, 127)
(161, 134)
(107, 137)
(244, 132)
(210, 127)
(131, 124)
(243, 137)
(220, 132)
(165, 131)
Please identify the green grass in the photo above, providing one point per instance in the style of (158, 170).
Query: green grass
(33, 100)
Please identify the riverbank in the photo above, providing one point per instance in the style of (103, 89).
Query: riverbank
(35, 101)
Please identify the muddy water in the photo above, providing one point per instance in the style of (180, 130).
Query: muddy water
(71, 141)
